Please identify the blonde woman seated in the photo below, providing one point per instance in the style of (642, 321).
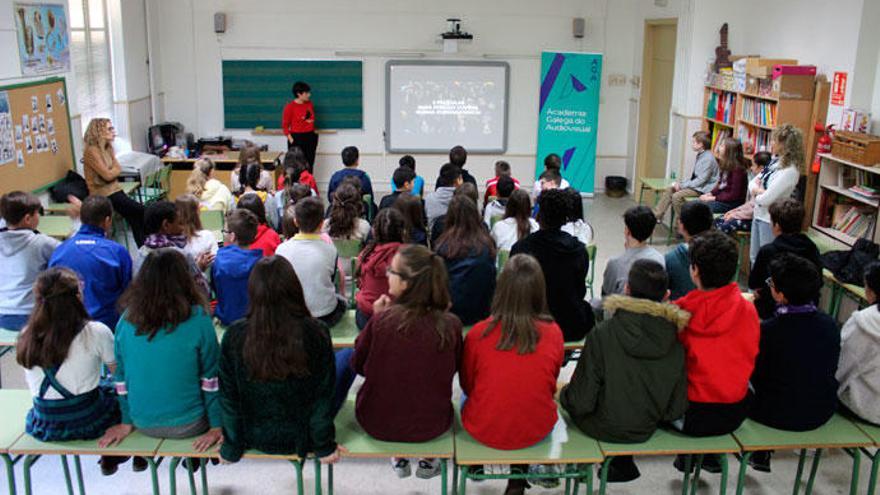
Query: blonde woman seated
(212, 194)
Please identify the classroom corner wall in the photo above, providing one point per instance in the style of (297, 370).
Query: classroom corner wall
(10, 73)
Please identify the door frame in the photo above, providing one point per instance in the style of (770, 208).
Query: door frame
(645, 96)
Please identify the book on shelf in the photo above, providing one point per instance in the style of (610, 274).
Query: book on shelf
(853, 220)
(720, 106)
(719, 134)
(754, 139)
(865, 191)
(759, 112)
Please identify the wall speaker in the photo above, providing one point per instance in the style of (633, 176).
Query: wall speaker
(219, 22)
(578, 25)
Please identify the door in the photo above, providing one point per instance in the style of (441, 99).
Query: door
(656, 97)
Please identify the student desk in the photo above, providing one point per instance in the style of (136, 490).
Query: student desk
(225, 163)
(16, 404)
(59, 227)
(7, 344)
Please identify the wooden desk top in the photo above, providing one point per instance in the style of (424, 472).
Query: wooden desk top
(267, 157)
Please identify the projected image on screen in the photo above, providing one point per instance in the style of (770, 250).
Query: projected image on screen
(434, 106)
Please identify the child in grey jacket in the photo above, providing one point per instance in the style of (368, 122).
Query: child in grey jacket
(24, 253)
(702, 181)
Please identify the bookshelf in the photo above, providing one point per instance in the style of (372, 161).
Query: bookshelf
(848, 200)
(751, 117)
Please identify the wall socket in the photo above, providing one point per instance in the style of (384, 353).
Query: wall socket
(615, 80)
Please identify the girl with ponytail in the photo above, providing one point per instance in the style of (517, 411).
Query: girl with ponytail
(212, 194)
(411, 347)
(517, 222)
(62, 353)
(345, 214)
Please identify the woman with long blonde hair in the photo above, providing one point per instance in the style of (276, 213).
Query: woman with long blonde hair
(101, 170)
(212, 194)
(777, 183)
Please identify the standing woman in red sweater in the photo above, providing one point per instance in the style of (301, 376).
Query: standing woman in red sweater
(510, 365)
(730, 192)
(101, 170)
(298, 122)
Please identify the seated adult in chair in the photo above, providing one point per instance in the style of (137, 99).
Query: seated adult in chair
(702, 181)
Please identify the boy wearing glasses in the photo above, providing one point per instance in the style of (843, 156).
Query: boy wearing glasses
(794, 379)
(786, 218)
(233, 264)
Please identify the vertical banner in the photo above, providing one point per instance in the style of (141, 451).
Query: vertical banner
(569, 115)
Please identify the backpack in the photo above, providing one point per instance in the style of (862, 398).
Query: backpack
(71, 184)
(849, 266)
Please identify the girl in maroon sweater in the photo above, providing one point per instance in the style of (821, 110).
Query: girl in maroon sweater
(730, 192)
(510, 365)
(408, 354)
(374, 260)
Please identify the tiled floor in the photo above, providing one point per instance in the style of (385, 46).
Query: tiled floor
(376, 477)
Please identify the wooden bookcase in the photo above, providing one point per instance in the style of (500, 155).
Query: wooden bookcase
(752, 117)
(834, 199)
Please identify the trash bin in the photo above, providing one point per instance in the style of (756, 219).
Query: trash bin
(615, 186)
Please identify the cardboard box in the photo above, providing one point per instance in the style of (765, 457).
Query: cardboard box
(763, 67)
(794, 87)
(793, 70)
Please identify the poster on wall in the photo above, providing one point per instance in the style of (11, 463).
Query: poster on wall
(569, 115)
(7, 138)
(43, 38)
(838, 88)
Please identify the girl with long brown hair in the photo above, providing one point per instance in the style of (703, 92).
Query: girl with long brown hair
(101, 171)
(212, 194)
(345, 220)
(62, 353)
(410, 348)
(389, 230)
(277, 372)
(469, 253)
(517, 222)
(198, 240)
(513, 358)
(733, 180)
(167, 356)
(413, 211)
(250, 155)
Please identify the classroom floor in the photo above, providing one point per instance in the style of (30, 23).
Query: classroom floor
(376, 477)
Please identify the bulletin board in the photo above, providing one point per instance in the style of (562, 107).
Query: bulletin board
(36, 143)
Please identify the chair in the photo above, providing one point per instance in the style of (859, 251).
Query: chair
(591, 271)
(873, 431)
(348, 248)
(666, 442)
(836, 433)
(16, 404)
(655, 184)
(503, 256)
(574, 451)
(135, 444)
(213, 220)
(361, 445)
(344, 333)
(157, 186)
(368, 199)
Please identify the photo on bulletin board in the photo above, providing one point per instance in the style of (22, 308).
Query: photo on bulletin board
(43, 38)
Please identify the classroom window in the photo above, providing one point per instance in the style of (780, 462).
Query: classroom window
(90, 51)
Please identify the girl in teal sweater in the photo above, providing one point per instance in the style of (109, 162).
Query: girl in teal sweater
(166, 357)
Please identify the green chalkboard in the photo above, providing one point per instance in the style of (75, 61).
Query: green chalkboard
(255, 92)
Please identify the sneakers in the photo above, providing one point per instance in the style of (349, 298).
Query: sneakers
(428, 468)
(138, 464)
(538, 473)
(760, 461)
(711, 463)
(401, 467)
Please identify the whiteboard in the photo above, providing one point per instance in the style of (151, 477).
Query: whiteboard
(431, 106)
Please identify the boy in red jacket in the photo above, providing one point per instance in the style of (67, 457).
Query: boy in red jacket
(720, 342)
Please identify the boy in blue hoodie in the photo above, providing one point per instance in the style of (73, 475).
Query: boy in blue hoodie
(24, 253)
(103, 265)
(233, 265)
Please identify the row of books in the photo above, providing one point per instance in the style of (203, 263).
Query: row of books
(719, 134)
(853, 220)
(759, 112)
(754, 139)
(721, 106)
(865, 191)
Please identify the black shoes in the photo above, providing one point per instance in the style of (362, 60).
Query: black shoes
(760, 461)
(711, 463)
(622, 469)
